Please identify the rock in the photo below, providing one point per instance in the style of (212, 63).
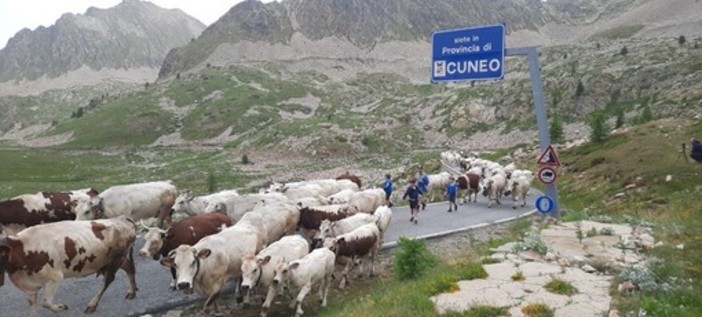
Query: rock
(626, 286)
(668, 178)
(646, 241)
(588, 268)
(614, 313)
(620, 195)
(680, 246)
(530, 256)
(630, 186)
(550, 256)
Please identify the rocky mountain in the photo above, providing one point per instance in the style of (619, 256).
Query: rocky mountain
(102, 44)
(399, 30)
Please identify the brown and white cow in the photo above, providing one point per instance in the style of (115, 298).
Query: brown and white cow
(469, 182)
(137, 201)
(356, 245)
(29, 210)
(312, 217)
(188, 231)
(42, 256)
(300, 276)
(258, 270)
(214, 260)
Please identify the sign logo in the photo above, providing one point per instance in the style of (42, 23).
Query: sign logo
(468, 54)
(439, 68)
(549, 157)
(547, 175)
(545, 204)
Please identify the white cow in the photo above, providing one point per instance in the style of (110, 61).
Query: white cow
(193, 205)
(518, 187)
(332, 229)
(367, 200)
(438, 181)
(137, 201)
(315, 269)
(258, 271)
(341, 197)
(237, 206)
(383, 217)
(494, 187)
(214, 260)
(279, 219)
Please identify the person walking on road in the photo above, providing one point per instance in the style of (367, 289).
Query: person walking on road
(451, 191)
(422, 183)
(412, 193)
(387, 187)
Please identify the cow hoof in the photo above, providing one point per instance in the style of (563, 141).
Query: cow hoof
(56, 307)
(239, 300)
(247, 305)
(90, 309)
(130, 295)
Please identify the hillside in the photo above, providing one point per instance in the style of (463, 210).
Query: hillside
(123, 43)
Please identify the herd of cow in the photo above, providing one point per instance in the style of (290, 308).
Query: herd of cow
(286, 237)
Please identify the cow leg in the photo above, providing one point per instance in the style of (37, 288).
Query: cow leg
(270, 295)
(327, 282)
(300, 297)
(239, 293)
(50, 288)
(345, 274)
(109, 273)
(32, 299)
(128, 267)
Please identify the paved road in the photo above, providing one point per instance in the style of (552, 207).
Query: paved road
(153, 279)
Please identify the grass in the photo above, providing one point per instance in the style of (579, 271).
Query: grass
(518, 276)
(479, 311)
(558, 286)
(537, 310)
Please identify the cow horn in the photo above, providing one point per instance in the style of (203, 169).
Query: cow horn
(143, 225)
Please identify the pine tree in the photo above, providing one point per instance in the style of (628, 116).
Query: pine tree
(598, 127)
(624, 51)
(556, 130)
(646, 114)
(580, 89)
(619, 122)
(681, 40)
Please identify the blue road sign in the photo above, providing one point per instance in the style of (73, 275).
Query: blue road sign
(468, 54)
(544, 204)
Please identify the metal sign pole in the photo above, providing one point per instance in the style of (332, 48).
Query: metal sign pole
(541, 118)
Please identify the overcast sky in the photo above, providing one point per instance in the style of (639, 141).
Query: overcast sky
(18, 14)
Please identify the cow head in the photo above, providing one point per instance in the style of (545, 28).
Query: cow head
(326, 230)
(155, 238)
(90, 209)
(186, 260)
(333, 244)
(182, 202)
(281, 273)
(252, 270)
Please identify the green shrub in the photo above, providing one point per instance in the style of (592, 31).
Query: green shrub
(211, 182)
(598, 128)
(442, 284)
(518, 276)
(592, 232)
(489, 260)
(562, 287)
(245, 159)
(479, 311)
(412, 259)
(537, 310)
(472, 271)
(556, 130)
(532, 242)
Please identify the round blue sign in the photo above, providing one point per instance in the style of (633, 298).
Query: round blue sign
(544, 204)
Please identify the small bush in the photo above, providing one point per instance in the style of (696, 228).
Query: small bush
(532, 242)
(607, 231)
(472, 271)
(592, 232)
(412, 259)
(479, 311)
(624, 51)
(489, 260)
(245, 159)
(518, 276)
(443, 284)
(211, 182)
(537, 310)
(559, 286)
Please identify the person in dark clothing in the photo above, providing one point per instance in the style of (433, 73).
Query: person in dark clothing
(422, 184)
(387, 187)
(412, 193)
(696, 150)
(451, 191)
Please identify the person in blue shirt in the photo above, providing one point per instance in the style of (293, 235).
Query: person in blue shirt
(422, 183)
(387, 187)
(696, 150)
(412, 193)
(451, 191)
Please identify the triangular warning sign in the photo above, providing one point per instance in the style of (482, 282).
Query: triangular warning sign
(549, 157)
